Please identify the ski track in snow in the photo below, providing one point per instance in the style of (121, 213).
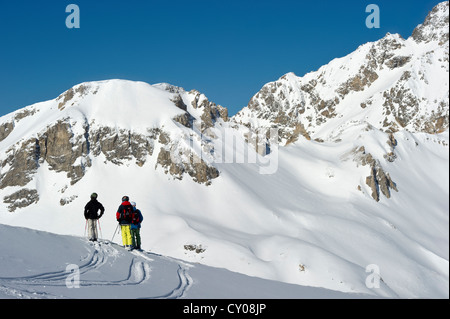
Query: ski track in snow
(185, 280)
(33, 287)
(183, 287)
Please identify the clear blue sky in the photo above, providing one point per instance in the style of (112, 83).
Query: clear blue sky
(225, 49)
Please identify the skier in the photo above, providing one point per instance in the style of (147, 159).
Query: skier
(91, 214)
(124, 216)
(136, 227)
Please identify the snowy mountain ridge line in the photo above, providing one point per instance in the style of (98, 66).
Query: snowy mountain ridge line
(360, 175)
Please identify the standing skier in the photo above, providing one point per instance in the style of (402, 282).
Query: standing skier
(124, 216)
(91, 214)
(136, 227)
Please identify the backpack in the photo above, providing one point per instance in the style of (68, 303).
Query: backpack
(127, 213)
(135, 217)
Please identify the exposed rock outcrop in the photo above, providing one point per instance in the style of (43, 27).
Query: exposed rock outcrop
(211, 111)
(177, 162)
(22, 161)
(121, 145)
(435, 26)
(64, 151)
(21, 198)
(5, 130)
(378, 180)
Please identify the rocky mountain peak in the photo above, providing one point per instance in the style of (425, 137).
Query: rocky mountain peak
(435, 26)
(392, 67)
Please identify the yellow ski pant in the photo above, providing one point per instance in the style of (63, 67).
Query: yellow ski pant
(126, 235)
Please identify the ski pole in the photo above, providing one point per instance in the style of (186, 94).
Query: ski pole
(100, 228)
(115, 232)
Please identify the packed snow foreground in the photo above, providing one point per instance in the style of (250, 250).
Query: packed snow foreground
(45, 265)
(338, 179)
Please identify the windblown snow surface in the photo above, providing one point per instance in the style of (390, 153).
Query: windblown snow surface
(41, 265)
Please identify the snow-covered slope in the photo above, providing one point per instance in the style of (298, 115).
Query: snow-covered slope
(354, 195)
(32, 270)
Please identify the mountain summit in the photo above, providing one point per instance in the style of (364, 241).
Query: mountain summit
(355, 200)
(392, 84)
(116, 120)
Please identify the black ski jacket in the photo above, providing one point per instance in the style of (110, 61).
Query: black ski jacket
(91, 209)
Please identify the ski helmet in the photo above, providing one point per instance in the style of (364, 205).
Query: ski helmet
(133, 204)
(94, 195)
(125, 199)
